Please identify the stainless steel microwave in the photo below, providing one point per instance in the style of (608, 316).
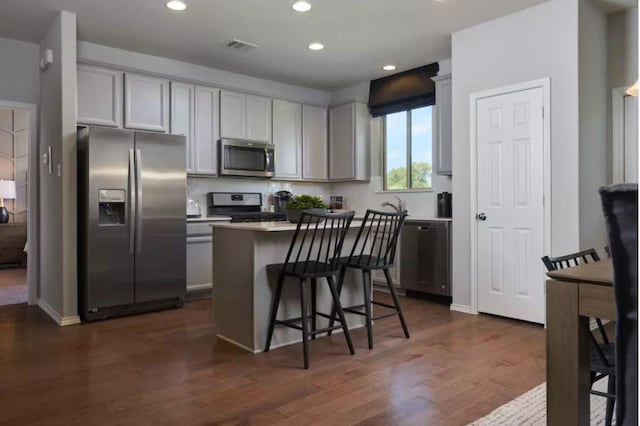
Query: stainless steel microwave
(246, 158)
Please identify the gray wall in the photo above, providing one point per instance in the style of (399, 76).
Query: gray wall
(593, 92)
(58, 276)
(532, 44)
(622, 55)
(19, 76)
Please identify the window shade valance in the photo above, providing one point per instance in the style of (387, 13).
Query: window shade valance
(402, 91)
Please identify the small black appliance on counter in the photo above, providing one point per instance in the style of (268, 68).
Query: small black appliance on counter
(444, 204)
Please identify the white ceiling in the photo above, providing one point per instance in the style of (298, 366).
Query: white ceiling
(359, 35)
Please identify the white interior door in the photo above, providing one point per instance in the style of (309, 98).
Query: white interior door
(510, 206)
(631, 139)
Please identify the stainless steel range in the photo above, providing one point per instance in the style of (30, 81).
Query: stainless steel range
(241, 207)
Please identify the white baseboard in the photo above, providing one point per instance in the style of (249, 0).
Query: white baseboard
(233, 342)
(59, 319)
(280, 345)
(199, 287)
(463, 308)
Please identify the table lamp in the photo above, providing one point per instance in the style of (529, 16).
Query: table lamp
(7, 190)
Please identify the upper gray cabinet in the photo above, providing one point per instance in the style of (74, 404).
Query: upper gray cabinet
(194, 114)
(442, 126)
(99, 96)
(287, 137)
(207, 131)
(349, 157)
(245, 116)
(183, 117)
(314, 143)
(146, 103)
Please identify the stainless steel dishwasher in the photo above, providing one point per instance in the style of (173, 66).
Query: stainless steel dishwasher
(425, 260)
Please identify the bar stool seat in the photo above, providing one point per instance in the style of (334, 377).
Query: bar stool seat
(314, 254)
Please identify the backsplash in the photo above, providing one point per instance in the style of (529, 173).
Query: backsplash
(360, 196)
(197, 188)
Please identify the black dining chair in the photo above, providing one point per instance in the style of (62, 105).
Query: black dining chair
(620, 207)
(374, 249)
(314, 253)
(602, 354)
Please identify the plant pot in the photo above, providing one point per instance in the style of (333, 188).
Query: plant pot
(294, 215)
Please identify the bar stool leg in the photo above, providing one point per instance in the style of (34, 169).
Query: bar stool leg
(394, 295)
(274, 311)
(366, 278)
(611, 388)
(343, 271)
(336, 302)
(305, 321)
(314, 295)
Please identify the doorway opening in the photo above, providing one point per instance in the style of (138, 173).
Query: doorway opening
(17, 136)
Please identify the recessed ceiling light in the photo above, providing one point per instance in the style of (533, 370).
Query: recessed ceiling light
(177, 5)
(301, 6)
(389, 67)
(316, 46)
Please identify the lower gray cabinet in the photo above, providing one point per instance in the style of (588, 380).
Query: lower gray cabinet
(199, 256)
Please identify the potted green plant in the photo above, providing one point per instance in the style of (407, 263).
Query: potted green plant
(298, 203)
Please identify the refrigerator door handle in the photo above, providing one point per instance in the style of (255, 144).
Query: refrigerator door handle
(132, 201)
(138, 201)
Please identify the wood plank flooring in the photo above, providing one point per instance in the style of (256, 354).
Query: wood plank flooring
(168, 368)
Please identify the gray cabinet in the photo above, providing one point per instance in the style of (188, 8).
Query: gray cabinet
(207, 131)
(314, 143)
(99, 96)
(287, 137)
(183, 117)
(146, 103)
(349, 157)
(245, 116)
(442, 148)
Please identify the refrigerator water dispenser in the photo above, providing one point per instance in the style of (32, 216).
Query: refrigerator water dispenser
(111, 207)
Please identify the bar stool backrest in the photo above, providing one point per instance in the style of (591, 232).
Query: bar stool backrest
(317, 243)
(377, 239)
(569, 260)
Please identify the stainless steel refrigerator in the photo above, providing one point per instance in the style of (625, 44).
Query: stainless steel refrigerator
(132, 227)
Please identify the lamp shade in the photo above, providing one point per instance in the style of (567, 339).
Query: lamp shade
(633, 90)
(7, 189)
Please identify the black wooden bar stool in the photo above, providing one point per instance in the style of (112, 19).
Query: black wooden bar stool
(374, 249)
(314, 253)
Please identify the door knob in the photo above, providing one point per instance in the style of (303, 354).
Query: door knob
(481, 216)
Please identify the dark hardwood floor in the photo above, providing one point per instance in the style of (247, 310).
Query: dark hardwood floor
(168, 368)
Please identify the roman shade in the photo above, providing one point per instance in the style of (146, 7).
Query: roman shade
(402, 91)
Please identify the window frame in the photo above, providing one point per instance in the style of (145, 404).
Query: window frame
(409, 145)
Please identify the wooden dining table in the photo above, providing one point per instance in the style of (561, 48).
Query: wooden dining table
(574, 295)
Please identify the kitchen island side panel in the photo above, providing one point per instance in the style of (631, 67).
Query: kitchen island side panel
(233, 252)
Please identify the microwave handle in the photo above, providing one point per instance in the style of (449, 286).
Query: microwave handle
(268, 155)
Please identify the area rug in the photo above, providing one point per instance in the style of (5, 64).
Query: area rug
(530, 409)
(13, 295)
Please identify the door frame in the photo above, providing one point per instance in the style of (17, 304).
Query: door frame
(617, 133)
(545, 85)
(32, 199)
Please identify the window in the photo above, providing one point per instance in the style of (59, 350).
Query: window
(407, 150)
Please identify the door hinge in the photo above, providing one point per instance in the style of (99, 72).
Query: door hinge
(542, 112)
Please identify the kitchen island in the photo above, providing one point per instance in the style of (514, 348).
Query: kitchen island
(243, 290)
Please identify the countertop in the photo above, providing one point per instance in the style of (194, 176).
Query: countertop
(210, 219)
(267, 226)
(411, 218)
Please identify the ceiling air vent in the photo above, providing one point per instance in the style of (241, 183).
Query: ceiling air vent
(240, 45)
